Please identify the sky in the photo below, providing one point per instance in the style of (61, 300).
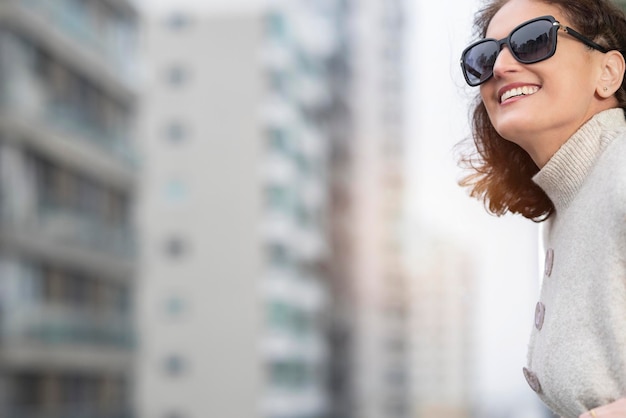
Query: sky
(504, 249)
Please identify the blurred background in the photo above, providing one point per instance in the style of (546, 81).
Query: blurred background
(249, 209)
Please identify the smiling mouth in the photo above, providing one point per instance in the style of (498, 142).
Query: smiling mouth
(519, 91)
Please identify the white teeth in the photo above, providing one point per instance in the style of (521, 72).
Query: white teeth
(519, 91)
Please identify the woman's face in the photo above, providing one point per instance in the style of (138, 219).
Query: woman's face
(559, 93)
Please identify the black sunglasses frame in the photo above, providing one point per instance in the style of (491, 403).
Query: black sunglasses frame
(507, 41)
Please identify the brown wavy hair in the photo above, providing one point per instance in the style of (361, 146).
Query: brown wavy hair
(502, 171)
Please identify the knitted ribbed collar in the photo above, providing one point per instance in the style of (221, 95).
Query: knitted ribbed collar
(565, 172)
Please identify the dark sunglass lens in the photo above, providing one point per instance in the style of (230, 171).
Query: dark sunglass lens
(534, 42)
(478, 61)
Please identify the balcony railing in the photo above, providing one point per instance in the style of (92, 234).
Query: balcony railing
(73, 120)
(63, 325)
(35, 107)
(58, 225)
(112, 41)
(73, 227)
(87, 411)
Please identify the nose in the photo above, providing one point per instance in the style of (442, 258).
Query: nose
(505, 62)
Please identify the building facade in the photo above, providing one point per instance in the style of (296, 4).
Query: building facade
(233, 215)
(198, 218)
(67, 187)
(443, 330)
(272, 213)
(370, 298)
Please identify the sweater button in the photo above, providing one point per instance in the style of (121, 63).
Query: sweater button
(549, 262)
(533, 380)
(540, 313)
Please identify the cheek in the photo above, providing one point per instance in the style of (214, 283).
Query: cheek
(570, 92)
(573, 79)
(485, 91)
(492, 114)
(487, 96)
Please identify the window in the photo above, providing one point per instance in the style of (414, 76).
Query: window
(309, 65)
(279, 255)
(279, 82)
(279, 141)
(276, 25)
(177, 76)
(178, 21)
(176, 132)
(174, 415)
(289, 374)
(279, 197)
(174, 306)
(300, 321)
(279, 315)
(289, 318)
(304, 165)
(175, 191)
(175, 247)
(174, 365)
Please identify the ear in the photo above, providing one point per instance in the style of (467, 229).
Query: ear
(612, 74)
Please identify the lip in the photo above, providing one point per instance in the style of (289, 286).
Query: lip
(511, 86)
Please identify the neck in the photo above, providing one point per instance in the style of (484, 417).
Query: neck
(541, 146)
(541, 151)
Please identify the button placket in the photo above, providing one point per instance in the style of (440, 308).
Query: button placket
(540, 308)
(540, 313)
(533, 380)
(549, 262)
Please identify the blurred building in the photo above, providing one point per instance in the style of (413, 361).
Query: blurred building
(443, 330)
(301, 38)
(67, 187)
(233, 214)
(370, 298)
(271, 215)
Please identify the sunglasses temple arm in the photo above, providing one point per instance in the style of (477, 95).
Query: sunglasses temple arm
(585, 40)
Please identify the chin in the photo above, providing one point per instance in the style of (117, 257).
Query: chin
(513, 128)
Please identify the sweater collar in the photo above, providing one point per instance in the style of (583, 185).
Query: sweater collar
(565, 172)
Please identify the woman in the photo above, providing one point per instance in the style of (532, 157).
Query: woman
(550, 136)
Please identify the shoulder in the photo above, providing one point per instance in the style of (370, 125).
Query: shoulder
(611, 159)
(610, 176)
(613, 162)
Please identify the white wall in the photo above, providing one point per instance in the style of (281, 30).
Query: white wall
(217, 213)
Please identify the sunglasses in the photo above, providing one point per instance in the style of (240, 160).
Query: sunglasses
(532, 41)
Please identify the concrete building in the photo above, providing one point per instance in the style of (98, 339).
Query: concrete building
(370, 328)
(443, 330)
(67, 187)
(232, 215)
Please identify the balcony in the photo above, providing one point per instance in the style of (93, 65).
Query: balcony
(31, 109)
(86, 411)
(69, 119)
(69, 237)
(61, 325)
(110, 38)
(308, 402)
(78, 229)
(60, 338)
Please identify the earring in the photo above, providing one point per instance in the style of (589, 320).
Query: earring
(605, 88)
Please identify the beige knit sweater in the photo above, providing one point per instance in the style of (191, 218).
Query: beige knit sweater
(577, 350)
